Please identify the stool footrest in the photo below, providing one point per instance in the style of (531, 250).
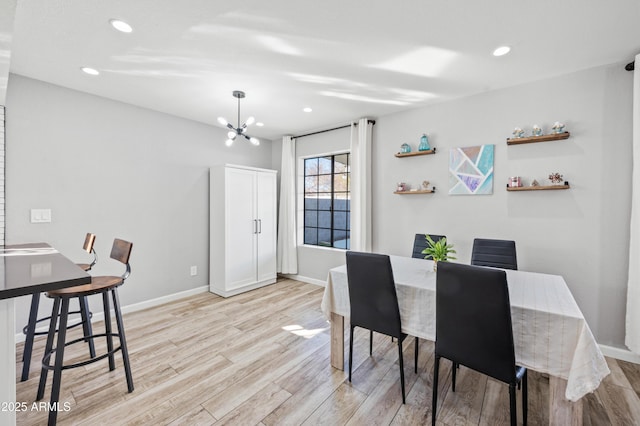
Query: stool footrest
(44, 333)
(47, 356)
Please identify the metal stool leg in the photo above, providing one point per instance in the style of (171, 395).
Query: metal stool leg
(123, 340)
(30, 335)
(86, 324)
(107, 326)
(47, 349)
(57, 371)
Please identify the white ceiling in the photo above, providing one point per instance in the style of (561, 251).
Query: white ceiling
(344, 59)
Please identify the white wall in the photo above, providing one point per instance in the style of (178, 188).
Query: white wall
(118, 171)
(581, 233)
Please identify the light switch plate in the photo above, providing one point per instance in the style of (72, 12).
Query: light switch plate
(40, 215)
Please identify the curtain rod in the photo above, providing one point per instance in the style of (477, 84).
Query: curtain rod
(329, 130)
(630, 66)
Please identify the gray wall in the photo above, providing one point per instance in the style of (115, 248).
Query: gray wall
(118, 171)
(581, 233)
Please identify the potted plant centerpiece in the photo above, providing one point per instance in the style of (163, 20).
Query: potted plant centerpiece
(438, 251)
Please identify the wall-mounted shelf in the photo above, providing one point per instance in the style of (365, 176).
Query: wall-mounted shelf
(416, 153)
(422, 191)
(539, 187)
(543, 138)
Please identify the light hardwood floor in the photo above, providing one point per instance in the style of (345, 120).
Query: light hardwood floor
(262, 358)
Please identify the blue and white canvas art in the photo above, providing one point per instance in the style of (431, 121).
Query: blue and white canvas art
(471, 170)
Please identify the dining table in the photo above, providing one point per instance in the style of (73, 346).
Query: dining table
(26, 269)
(551, 335)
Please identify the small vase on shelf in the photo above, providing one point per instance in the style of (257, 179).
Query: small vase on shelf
(424, 143)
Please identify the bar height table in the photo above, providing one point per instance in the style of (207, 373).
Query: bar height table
(26, 269)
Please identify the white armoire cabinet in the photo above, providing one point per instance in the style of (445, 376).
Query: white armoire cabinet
(242, 229)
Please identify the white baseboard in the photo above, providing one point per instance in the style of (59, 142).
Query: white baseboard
(307, 280)
(620, 353)
(99, 316)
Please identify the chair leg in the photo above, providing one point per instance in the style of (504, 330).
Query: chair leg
(31, 330)
(400, 360)
(370, 342)
(454, 369)
(86, 324)
(107, 326)
(123, 340)
(57, 371)
(416, 360)
(525, 403)
(48, 347)
(434, 398)
(350, 349)
(512, 404)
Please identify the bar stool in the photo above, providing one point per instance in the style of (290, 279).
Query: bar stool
(103, 285)
(29, 330)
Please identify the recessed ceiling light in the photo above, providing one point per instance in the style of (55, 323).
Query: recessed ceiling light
(121, 26)
(90, 71)
(259, 124)
(307, 109)
(502, 50)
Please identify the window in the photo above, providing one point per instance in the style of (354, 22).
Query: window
(327, 201)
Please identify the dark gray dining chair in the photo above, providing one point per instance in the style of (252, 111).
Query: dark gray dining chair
(473, 328)
(494, 253)
(374, 303)
(420, 243)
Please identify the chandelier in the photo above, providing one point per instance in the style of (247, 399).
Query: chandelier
(240, 130)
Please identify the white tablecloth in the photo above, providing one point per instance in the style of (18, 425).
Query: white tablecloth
(550, 333)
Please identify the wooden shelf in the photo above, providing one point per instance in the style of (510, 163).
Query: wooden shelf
(543, 138)
(539, 187)
(422, 191)
(416, 153)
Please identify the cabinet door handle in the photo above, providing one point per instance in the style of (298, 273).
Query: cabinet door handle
(259, 226)
(255, 226)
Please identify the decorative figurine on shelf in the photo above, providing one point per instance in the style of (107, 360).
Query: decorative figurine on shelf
(515, 182)
(405, 148)
(534, 183)
(424, 143)
(558, 127)
(425, 185)
(536, 131)
(518, 132)
(556, 178)
(402, 187)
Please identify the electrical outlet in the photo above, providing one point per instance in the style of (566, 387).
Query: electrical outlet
(194, 271)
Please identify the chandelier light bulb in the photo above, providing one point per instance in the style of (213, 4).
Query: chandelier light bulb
(222, 121)
(229, 142)
(250, 121)
(255, 141)
(231, 135)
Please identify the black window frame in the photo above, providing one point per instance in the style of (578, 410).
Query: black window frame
(315, 212)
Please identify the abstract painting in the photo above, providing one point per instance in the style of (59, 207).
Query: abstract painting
(471, 170)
